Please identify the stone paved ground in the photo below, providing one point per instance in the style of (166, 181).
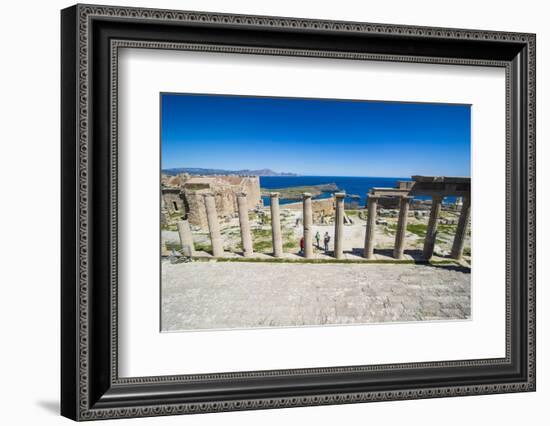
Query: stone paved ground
(215, 295)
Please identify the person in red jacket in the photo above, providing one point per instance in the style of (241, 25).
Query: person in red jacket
(302, 245)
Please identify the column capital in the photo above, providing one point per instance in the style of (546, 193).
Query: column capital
(241, 194)
(340, 194)
(373, 197)
(207, 194)
(274, 194)
(306, 195)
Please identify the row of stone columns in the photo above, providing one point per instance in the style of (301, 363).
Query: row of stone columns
(431, 232)
(214, 226)
(308, 224)
(186, 238)
(399, 246)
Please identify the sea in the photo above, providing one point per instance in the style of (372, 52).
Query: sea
(352, 186)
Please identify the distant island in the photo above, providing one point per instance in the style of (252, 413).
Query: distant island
(206, 172)
(296, 192)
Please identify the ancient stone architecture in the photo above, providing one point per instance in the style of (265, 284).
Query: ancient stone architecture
(186, 238)
(308, 226)
(213, 225)
(339, 225)
(389, 198)
(321, 209)
(436, 187)
(427, 186)
(174, 181)
(399, 247)
(245, 226)
(183, 195)
(460, 236)
(371, 222)
(172, 200)
(276, 225)
(431, 232)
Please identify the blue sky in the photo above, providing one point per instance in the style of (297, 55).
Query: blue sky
(315, 136)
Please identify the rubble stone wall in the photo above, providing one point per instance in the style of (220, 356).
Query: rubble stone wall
(224, 189)
(173, 201)
(251, 187)
(320, 208)
(197, 211)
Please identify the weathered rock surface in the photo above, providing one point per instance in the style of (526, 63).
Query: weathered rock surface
(205, 295)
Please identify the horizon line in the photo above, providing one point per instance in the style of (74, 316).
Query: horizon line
(339, 176)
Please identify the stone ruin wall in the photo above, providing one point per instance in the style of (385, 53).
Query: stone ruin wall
(226, 205)
(197, 212)
(225, 197)
(251, 186)
(170, 197)
(320, 208)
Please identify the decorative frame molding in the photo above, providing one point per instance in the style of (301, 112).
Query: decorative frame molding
(91, 37)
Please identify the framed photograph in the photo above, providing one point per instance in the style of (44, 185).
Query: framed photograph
(263, 212)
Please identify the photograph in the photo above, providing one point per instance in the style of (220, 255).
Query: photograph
(305, 212)
(266, 209)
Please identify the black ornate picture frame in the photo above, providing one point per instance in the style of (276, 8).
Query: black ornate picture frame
(91, 387)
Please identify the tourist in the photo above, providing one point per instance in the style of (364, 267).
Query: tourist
(302, 245)
(318, 239)
(326, 241)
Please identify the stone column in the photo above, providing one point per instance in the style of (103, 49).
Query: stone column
(431, 232)
(186, 238)
(371, 224)
(339, 225)
(163, 211)
(308, 226)
(461, 229)
(213, 225)
(276, 225)
(399, 247)
(242, 205)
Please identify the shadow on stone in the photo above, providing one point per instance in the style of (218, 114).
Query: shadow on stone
(416, 255)
(383, 252)
(450, 267)
(356, 251)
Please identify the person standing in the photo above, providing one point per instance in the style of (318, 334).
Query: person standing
(302, 245)
(318, 240)
(326, 240)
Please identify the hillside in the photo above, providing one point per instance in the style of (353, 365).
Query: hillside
(205, 172)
